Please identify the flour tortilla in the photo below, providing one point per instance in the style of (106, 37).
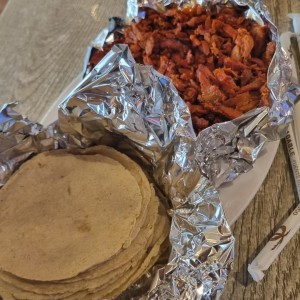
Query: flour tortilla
(5, 295)
(137, 173)
(116, 289)
(161, 231)
(25, 295)
(99, 275)
(121, 258)
(118, 286)
(45, 237)
(111, 278)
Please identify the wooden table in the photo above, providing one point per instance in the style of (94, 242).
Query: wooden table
(42, 45)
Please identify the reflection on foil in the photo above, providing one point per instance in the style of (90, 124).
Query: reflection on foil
(20, 138)
(136, 109)
(143, 110)
(225, 150)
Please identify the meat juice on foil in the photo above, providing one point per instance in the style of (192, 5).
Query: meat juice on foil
(134, 108)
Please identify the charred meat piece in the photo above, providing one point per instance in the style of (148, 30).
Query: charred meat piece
(216, 58)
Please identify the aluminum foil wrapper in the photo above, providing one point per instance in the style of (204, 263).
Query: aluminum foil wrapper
(228, 149)
(138, 110)
(20, 139)
(222, 151)
(135, 109)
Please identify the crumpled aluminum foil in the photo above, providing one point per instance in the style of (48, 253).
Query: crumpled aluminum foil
(137, 110)
(20, 138)
(226, 150)
(222, 151)
(143, 111)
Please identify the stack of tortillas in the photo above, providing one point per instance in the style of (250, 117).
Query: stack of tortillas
(78, 226)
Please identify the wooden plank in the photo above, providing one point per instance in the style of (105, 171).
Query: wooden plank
(279, 10)
(42, 45)
(273, 203)
(2, 5)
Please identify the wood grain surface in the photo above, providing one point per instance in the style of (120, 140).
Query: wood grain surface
(2, 5)
(42, 45)
(272, 204)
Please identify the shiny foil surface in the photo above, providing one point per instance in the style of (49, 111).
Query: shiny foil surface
(233, 146)
(137, 110)
(144, 114)
(19, 140)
